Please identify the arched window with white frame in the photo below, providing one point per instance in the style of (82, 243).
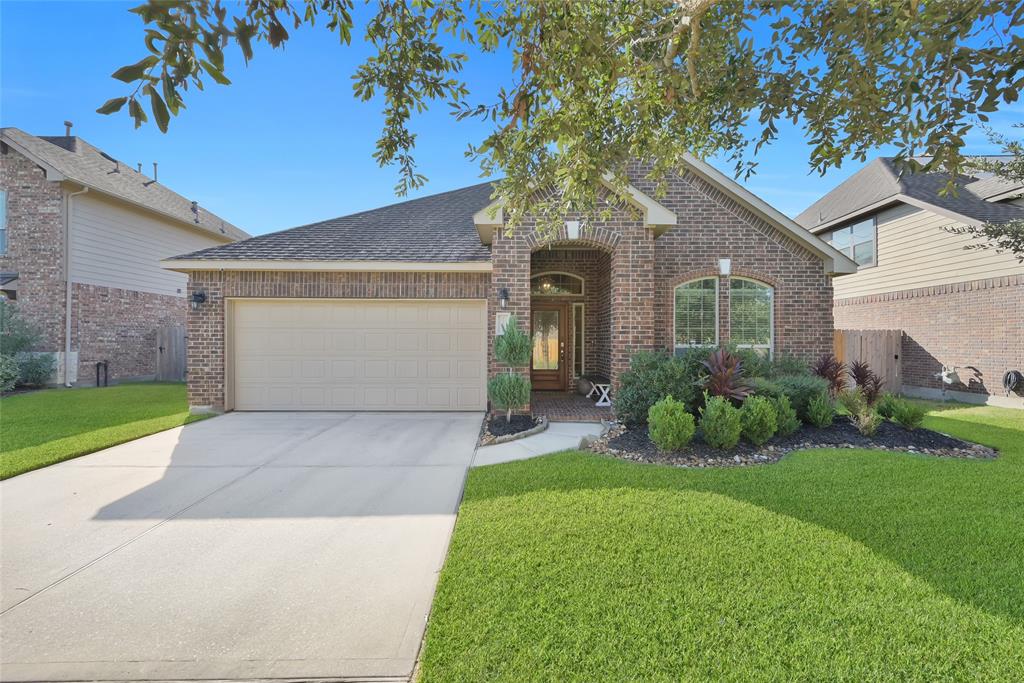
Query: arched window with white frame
(752, 314)
(556, 284)
(695, 313)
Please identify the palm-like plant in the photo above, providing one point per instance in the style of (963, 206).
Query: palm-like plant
(866, 379)
(725, 376)
(832, 370)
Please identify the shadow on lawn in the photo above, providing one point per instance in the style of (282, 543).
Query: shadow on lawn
(954, 523)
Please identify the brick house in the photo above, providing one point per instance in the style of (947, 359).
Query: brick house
(81, 239)
(958, 309)
(397, 308)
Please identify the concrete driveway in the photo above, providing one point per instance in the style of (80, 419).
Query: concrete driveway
(252, 545)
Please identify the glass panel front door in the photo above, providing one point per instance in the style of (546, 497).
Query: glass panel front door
(545, 340)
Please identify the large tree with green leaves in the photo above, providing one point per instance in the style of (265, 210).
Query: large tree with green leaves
(1007, 236)
(595, 84)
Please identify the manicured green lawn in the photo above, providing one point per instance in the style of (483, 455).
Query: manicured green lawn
(44, 427)
(830, 565)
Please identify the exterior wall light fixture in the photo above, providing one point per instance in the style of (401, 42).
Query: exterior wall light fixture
(196, 299)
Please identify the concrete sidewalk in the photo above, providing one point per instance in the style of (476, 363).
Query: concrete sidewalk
(559, 436)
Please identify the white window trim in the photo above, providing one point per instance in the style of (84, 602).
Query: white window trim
(583, 283)
(770, 347)
(578, 317)
(718, 321)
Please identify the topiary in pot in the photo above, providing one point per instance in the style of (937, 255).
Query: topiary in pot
(669, 425)
(720, 422)
(510, 390)
(758, 419)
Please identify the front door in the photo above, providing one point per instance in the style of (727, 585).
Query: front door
(548, 328)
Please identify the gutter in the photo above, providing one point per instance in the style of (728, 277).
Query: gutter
(67, 281)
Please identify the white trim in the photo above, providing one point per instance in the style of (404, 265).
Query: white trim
(718, 322)
(835, 262)
(188, 265)
(888, 201)
(581, 321)
(771, 315)
(655, 214)
(583, 283)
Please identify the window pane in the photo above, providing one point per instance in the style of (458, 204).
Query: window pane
(863, 231)
(750, 319)
(864, 253)
(545, 340)
(578, 339)
(840, 239)
(695, 315)
(554, 284)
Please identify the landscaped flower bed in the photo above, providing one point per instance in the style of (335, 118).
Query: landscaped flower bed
(635, 444)
(497, 429)
(713, 407)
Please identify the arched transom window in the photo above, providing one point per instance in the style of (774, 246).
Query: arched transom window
(696, 313)
(556, 284)
(751, 316)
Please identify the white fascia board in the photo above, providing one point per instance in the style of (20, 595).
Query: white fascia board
(888, 201)
(188, 265)
(835, 261)
(488, 219)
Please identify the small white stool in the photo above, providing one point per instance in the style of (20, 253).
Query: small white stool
(603, 391)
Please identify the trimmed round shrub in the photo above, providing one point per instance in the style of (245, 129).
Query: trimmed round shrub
(886, 405)
(8, 373)
(720, 423)
(907, 414)
(758, 419)
(669, 425)
(821, 411)
(800, 389)
(509, 391)
(786, 420)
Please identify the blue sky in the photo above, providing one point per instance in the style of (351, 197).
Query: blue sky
(286, 143)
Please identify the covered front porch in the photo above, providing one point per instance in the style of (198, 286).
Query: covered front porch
(567, 406)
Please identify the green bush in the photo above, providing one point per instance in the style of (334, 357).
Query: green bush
(800, 389)
(720, 422)
(17, 335)
(35, 369)
(863, 415)
(8, 373)
(821, 411)
(786, 418)
(757, 417)
(755, 363)
(886, 405)
(784, 364)
(513, 346)
(509, 391)
(652, 376)
(762, 386)
(907, 414)
(669, 425)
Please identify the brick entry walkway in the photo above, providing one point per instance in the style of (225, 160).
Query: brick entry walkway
(559, 406)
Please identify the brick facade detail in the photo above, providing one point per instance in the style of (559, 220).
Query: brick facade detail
(974, 325)
(35, 245)
(206, 325)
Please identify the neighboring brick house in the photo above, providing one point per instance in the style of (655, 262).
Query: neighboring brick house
(959, 309)
(81, 239)
(396, 308)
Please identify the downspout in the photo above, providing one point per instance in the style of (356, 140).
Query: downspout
(67, 281)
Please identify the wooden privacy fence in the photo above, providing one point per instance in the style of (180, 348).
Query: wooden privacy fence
(879, 348)
(170, 349)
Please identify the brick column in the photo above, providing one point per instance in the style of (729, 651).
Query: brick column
(205, 343)
(632, 299)
(510, 263)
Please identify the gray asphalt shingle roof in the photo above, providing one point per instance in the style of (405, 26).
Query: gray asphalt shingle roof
(881, 180)
(438, 228)
(81, 162)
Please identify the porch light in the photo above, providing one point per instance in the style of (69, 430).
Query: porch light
(724, 266)
(196, 299)
(503, 297)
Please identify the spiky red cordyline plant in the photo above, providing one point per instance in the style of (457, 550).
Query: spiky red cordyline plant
(725, 376)
(869, 382)
(832, 370)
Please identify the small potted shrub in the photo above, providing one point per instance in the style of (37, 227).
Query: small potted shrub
(669, 425)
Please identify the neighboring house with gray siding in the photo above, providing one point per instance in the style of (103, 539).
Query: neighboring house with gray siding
(81, 239)
(958, 308)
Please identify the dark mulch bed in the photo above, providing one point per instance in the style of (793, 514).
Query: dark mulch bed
(634, 444)
(496, 426)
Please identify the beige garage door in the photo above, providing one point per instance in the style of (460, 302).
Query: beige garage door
(359, 355)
